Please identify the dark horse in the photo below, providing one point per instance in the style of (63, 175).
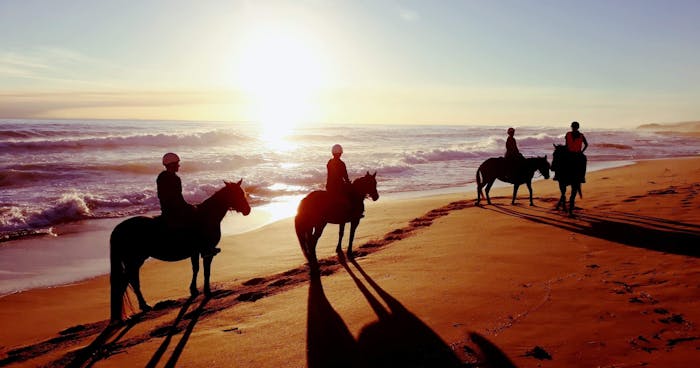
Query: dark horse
(136, 239)
(570, 169)
(503, 170)
(318, 209)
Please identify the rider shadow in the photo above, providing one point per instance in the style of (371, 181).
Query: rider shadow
(328, 339)
(651, 233)
(400, 339)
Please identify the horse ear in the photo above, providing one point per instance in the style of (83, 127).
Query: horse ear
(554, 145)
(367, 173)
(375, 174)
(239, 182)
(226, 183)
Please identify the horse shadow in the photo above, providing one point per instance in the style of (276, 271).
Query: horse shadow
(652, 233)
(397, 339)
(174, 329)
(110, 340)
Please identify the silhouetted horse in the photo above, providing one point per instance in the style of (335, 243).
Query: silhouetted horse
(136, 239)
(320, 208)
(505, 170)
(570, 169)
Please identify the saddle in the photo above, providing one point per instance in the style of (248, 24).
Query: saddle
(343, 201)
(513, 166)
(176, 230)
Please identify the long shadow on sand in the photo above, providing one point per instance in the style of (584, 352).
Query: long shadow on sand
(397, 339)
(646, 232)
(328, 339)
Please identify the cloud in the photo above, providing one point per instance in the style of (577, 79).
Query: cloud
(55, 67)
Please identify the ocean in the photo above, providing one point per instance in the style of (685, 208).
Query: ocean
(56, 174)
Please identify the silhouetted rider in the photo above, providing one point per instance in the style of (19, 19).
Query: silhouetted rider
(337, 179)
(512, 150)
(338, 183)
(576, 144)
(175, 211)
(513, 155)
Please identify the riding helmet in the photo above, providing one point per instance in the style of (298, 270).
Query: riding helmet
(170, 158)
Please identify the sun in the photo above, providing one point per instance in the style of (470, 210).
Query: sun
(281, 72)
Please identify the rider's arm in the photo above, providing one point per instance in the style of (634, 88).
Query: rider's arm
(585, 143)
(345, 174)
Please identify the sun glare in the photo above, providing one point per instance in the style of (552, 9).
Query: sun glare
(281, 72)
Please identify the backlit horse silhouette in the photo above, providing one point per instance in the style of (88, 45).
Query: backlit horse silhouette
(570, 169)
(136, 239)
(516, 172)
(319, 208)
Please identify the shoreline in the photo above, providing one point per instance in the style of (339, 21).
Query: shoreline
(31, 254)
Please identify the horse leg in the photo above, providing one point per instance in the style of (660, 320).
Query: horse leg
(133, 276)
(207, 272)
(488, 189)
(529, 188)
(572, 199)
(515, 192)
(341, 232)
(195, 271)
(562, 198)
(478, 194)
(353, 227)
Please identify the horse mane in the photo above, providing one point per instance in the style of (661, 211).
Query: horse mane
(357, 180)
(213, 197)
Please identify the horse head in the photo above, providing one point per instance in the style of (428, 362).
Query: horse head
(236, 198)
(367, 185)
(558, 155)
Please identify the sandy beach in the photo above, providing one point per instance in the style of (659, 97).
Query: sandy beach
(437, 282)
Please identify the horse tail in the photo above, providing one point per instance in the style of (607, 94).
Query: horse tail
(117, 277)
(479, 183)
(302, 233)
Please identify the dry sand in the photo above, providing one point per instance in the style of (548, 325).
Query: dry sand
(438, 282)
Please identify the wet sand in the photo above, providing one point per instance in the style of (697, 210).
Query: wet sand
(437, 280)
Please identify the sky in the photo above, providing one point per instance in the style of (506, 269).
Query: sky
(605, 63)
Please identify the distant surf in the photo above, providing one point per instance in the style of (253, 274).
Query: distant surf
(56, 172)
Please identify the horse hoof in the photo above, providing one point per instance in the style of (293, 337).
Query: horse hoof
(145, 307)
(194, 292)
(207, 293)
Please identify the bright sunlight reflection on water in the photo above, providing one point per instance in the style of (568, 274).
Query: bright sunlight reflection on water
(280, 208)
